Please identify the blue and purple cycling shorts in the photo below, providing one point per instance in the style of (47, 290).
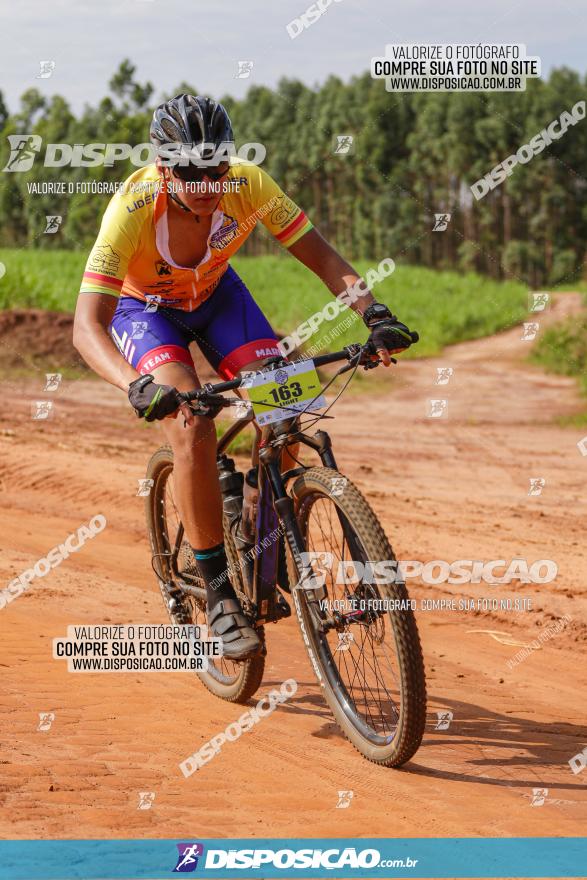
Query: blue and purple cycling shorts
(229, 327)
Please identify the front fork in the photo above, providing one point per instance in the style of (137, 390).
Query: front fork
(322, 443)
(270, 457)
(277, 501)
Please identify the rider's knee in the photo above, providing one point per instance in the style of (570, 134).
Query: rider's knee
(193, 441)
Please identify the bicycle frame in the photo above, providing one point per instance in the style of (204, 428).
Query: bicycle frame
(275, 504)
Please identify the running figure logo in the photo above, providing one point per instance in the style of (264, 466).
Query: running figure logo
(345, 641)
(538, 301)
(41, 409)
(53, 381)
(441, 222)
(537, 484)
(145, 486)
(539, 796)
(46, 69)
(338, 485)
(23, 149)
(443, 375)
(187, 860)
(53, 222)
(444, 720)
(344, 144)
(46, 719)
(153, 300)
(244, 69)
(139, 328)
(437, 409)
(530, 330)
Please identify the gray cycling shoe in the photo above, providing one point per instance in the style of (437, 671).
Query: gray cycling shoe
(227, 622)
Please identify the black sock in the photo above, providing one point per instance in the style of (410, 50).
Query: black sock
(213, 568)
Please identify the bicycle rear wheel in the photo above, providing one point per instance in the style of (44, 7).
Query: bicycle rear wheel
(369, 663)
(175, 566)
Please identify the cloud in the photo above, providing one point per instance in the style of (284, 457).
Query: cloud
(174, 40)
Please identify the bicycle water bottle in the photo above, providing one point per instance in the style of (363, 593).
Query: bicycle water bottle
(250, 503)
(231, 487)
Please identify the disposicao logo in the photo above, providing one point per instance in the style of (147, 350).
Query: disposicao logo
(187, 860)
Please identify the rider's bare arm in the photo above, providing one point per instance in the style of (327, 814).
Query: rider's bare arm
(321, 258)
(93, 314)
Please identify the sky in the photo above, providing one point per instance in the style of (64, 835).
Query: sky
(171, 41)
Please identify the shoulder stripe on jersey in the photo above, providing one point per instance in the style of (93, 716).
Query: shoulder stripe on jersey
(289, 230)
(102, 279)
(295, 230)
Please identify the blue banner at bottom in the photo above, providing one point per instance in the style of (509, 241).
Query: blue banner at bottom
(466, 857)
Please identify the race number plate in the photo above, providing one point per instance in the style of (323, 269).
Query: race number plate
(280, 394)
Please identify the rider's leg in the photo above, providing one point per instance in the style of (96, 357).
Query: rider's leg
(161, 348)
(199, 502)
(195, 476)
(237, 336)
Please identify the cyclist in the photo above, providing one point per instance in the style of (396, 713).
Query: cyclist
(164, 248)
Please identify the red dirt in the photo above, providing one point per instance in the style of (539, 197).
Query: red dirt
(454, 488)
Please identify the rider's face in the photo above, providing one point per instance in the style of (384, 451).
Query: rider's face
(200, 196)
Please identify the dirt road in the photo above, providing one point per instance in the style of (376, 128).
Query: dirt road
(448, 488)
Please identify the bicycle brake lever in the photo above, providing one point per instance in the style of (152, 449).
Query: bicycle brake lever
(370, 365)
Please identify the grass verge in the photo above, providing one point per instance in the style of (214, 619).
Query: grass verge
(445, 307)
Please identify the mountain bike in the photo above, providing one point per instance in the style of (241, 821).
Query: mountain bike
(312, 523)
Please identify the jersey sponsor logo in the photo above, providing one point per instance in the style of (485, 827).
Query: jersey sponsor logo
(140, 203)
(163, 293)
(266, 352)
(227, 233)
(104, 260)
(156, 285)
(162, 268)
(284, 212)
(155, 361)
(124, 343)
(210, 289)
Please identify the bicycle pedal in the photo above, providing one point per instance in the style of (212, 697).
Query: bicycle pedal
(282, 607)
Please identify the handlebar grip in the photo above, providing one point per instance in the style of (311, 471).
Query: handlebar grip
(415, 336)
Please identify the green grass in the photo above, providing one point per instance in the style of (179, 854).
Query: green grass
(242, 443)
(579, 420)
(445, 307)
(562, 349)
(41, 279)
(571, 287)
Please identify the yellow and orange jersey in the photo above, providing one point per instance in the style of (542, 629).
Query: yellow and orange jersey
(131, 254)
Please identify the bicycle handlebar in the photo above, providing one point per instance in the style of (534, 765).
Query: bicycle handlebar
(233, 384)
(362, 352)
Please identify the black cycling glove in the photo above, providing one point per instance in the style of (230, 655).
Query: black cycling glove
(151, 401)
(386, 331)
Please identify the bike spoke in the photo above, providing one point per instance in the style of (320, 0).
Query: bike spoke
(365, 666)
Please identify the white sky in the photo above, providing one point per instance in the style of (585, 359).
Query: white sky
(201, 43)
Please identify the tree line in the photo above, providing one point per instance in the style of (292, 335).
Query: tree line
(412, 157)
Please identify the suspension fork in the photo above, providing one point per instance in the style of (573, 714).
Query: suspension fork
(322, 443)
(270, 458)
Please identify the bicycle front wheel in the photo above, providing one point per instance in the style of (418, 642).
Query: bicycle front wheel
(360, 632)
